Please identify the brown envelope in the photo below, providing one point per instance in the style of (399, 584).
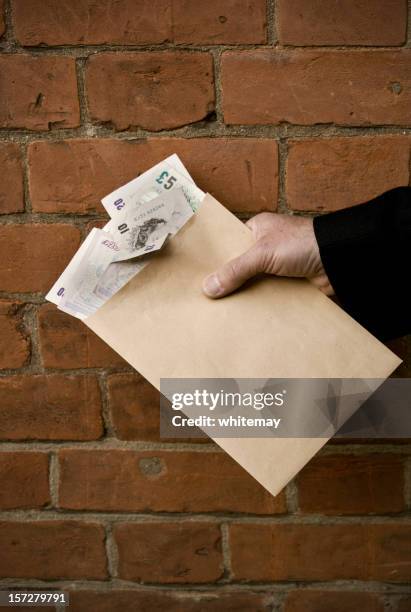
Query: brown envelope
(163, 325)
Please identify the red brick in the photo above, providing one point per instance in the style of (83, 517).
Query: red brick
(135, 410)
(160, 481)
(14, 341)
(353, 22)
(77, 22)
(11, 187)
(38, 92)
(155, 91)
(24, 480)
(50, 407)
(34, 255)
(51, 550)
(335, 601)
(404, 605)
(241, 172)
(86, 22)
(220, 21)
(134, 407)
(65, 342)
(349, 484)
(169, 552)
(306, 87)
(332, 173)
(159, 601)
(321, 552)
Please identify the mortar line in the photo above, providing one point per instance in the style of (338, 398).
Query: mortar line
(8, 38)
(26, 170)
(103, 517)
(112, 443)
(202, 129)
(31, 324)
(282, 168)
(82, 95)
(218, 89)
(291, 495)
(226, 552)
(185, 590)
(109, 431)
(111, 551)
(271, 22)
(54, 478)
(85, 50)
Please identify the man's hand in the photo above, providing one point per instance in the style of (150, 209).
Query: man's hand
(285, 246)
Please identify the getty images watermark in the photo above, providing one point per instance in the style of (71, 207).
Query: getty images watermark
(286, 408)
(216, 401)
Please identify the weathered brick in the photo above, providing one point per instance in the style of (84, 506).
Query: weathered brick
(134, 407)
(11, 186)
(332, 173)
(358, 87)
(241, 172)
(33, 255)
(65, 342)
(135, 410)
(38, 91)
(77, 22)
(50, 407)
(220, 21)
(353, 22)
(24, 480)
(158, 601)
(350, 484)
(169, 552)
(335, 601)
(86, 22)
(51, 550)
(14, 341)
(404, 604)
(160, 481)
(321, 552)
(155, 91)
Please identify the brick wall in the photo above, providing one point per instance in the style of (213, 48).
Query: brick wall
(289, 105)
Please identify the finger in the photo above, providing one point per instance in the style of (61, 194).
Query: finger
(233, 274)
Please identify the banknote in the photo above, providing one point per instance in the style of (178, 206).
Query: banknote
(144, 214)
(151, 222)
(162, 178)
(78, 298)
(116, 276)
(141, 229)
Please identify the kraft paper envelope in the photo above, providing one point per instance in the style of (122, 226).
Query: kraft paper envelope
(163, 325)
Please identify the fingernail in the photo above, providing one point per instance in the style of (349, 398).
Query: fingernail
(211, 286)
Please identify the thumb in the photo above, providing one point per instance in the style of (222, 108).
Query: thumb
(234, 273)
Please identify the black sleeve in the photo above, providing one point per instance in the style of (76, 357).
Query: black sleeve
(366, 253)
